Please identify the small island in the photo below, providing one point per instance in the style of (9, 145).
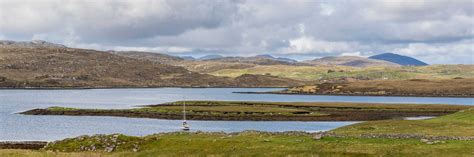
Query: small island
(264, 111)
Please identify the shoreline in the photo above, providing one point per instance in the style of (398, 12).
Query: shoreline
(38, 145)
(345, 94)
(270, 92)
(85, 88)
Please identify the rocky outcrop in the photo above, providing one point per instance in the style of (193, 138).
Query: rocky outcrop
(100, 142)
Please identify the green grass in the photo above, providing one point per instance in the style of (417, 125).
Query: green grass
(321, 72)
(263, 144)
(457, 124)
(57, 108)
(274, 108)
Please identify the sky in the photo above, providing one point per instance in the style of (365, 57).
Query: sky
(434, 31)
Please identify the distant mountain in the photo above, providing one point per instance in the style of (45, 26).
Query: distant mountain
(399, 59)
(265, 56)
(259, 60)
(352, 61)
(274, 58)
(287, 59)
(208, 57)
(188, 57)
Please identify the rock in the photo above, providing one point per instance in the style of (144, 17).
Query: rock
(424, 140)
(318, 137)
(109, 149)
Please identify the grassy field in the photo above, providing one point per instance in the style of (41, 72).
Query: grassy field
(251, 144)
(234, 110)
(458, 124)
(321, 72)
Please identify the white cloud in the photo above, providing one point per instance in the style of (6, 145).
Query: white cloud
(358, 53)
(306, 44)
(326, 9)
(458, 52)
(154, 49)
(302, 28)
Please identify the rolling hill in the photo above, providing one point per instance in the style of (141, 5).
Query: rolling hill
(46, 65)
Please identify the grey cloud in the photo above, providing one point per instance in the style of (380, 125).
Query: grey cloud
(105, 21)
(250, 27)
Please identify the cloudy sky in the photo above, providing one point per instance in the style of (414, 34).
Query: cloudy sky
(437, 32)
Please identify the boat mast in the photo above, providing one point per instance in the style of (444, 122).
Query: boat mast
(184, 109)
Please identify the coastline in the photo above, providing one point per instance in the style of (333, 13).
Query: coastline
(116, 87)
(346, 94)
(269, 92)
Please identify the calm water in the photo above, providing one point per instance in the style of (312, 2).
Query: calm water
(23, 127)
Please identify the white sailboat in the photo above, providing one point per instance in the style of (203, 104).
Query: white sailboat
(185, 126)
